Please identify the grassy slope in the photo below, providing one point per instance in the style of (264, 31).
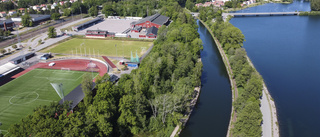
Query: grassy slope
(104, 47)
(23, 93)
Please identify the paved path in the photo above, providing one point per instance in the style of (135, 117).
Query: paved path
(265, 110)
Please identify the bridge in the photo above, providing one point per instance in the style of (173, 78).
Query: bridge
(225, 15)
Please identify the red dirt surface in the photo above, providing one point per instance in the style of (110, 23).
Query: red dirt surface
(109, 62)
(72, 64)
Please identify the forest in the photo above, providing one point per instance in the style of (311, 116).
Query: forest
(248, 80)
(148, 102)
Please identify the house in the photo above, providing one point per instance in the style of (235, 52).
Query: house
(149, 32)
(152, 32)
(61, 2)
(21, 10)
(3, 14)
(12, 12)
(136, 29)
(155, 20)
(199, 5)
(6, 24)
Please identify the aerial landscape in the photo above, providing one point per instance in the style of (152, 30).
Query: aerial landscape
(159, 68)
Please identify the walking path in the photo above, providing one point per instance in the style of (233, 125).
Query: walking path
(268, 109)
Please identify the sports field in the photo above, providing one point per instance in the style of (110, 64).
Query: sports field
(101, 47)
(19, 97)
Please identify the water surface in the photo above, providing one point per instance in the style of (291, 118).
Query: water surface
(212, 113)
(286, 52)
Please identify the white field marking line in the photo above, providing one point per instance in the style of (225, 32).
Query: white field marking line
(80, 76)
(67, 71)
(54, 78)
(26, 102)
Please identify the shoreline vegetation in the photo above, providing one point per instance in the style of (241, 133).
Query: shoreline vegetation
(247, 84)
(229, 71)
(309, 13)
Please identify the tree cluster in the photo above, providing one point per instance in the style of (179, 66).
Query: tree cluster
(149, 101)
(315, 5)
(131, 8)
(248, 80)
(209, 13)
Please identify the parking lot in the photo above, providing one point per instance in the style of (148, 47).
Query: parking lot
(111, 25)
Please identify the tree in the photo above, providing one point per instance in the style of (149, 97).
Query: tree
(52, 32)
(93, 11)
(66, 12)
(26, 19)
(3, 51)
(14, 46)
(315, 5)
(55, 16)
(108, 10)
(87, 86)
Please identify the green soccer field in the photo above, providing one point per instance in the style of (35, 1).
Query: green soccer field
(101, 47)
(19, 97)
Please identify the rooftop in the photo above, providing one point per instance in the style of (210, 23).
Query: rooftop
(156, 18)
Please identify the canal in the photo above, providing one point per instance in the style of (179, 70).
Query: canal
(212, 113)
(286, 52)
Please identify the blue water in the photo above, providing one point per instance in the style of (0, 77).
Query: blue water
(212, 113)
(286, 52)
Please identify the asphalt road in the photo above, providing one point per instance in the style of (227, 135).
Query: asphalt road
(25, 36)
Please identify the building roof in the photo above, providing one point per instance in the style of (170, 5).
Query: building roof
(21, 56)
(8, 21)
(152, 30)
(7, 68)
(156, 18)
(37, 17)
(89, 22)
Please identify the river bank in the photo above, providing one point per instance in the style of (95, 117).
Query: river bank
(269, 111)
(272, 120)
(230, 73)
(177, 130)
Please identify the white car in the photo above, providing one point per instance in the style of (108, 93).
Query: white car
(52, 64)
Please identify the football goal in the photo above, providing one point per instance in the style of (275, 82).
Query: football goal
(65, 69)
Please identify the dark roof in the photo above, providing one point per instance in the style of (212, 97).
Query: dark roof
(8, 21)
(152, 30)
(76, 95)
(156, 18)
(89, 22)
(22, 56)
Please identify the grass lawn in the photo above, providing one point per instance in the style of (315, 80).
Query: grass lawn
(20, 96)
(101, 47)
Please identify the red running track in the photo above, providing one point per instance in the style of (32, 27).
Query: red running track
(72, 64)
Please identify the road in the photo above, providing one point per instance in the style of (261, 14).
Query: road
(36, 32)
(34, 43)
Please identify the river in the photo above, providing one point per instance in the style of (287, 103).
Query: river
(286, 52)
(212, 112)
